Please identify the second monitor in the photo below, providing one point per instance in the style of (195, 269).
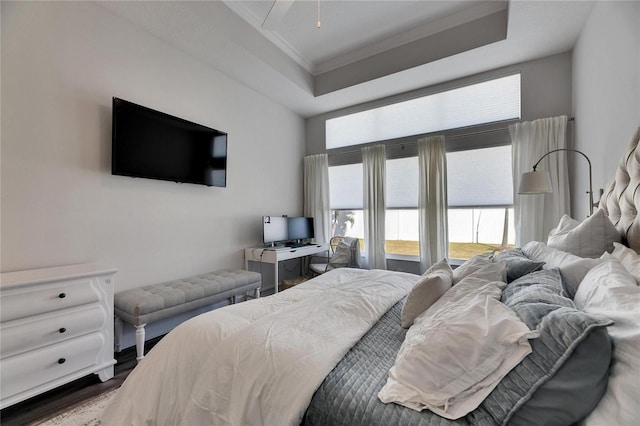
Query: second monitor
(299, 229)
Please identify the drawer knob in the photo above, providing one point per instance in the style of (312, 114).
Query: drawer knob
(62, 330)
(62, 361)
(62, 295)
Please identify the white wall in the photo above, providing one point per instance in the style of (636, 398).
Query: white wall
(606, 91)
(62, 63)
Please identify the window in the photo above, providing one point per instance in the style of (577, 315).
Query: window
(401, 218)
(475, 231)
(401, 222)
(479, 176)
(480, 103)
(480, 199)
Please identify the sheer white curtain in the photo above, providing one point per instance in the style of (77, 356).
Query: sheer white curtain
(536, 215)
(432, 200)
(316, 195)
(374, 170)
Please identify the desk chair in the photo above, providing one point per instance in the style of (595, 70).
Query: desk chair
(345, 253)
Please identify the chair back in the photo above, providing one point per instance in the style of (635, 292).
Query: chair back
(333, 243)
(354, 247)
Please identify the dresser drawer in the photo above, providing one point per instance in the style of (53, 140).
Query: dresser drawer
(25, 371)
(38, 299)
(41, 330)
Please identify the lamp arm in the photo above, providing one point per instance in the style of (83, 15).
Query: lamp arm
(590, 191)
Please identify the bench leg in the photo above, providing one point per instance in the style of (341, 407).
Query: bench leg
(140, 342)
(258, 293)
(117, 330)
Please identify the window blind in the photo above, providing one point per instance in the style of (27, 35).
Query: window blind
(475, 178)
(480, 177)
(480, 103)
(402, 183)
(345, 187)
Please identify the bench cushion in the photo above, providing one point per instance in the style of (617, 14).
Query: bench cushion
(157, 301)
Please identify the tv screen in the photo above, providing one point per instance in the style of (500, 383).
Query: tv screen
(154, 145)
(300, 228)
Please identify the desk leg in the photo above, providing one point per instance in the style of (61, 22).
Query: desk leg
(275, 275)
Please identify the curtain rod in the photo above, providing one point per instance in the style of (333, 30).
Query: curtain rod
(401, 145)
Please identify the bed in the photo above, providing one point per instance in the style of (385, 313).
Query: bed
(535, 335)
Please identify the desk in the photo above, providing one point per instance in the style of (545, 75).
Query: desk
(275, 255)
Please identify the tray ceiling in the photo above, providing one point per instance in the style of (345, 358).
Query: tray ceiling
(364, 49)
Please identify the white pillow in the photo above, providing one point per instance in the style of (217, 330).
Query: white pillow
(572, 268)
(433, 284)
(457, 351)
(495, 271)
(609, 290)
(589, 238)
(481, 264)
(629, 259)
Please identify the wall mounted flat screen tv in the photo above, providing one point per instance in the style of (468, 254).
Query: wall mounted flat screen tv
(154, 145)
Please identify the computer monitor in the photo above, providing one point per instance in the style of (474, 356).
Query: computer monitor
(274, 229)
(299, 228)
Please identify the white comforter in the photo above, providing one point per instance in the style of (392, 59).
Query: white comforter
(258, 362)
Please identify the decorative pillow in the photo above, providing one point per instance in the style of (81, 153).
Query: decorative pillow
(433, 284)
(342, 256)
(543, 287)
(457, 351)
(629, 258)
(564, 377)
(478, 264)
(594, 236)
(572, 268)
(491, 272)
(517, 263)
(354, 247)
(609, 290)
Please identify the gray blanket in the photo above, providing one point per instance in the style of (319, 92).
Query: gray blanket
(349, 394)
(557, 384)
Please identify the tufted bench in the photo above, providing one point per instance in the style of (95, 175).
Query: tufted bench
(140, 306)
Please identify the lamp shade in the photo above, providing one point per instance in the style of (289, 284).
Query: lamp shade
(535, 183)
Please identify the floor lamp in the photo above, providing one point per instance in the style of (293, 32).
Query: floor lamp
(536, 182)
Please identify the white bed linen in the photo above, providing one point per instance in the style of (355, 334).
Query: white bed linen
(457, 351)
(257, 362)
(609, 290)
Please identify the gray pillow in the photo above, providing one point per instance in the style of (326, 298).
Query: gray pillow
(565, 376)
(518, 264)
(575, 389)
(432, 285)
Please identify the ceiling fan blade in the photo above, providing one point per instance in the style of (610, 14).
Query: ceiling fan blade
(279, 9)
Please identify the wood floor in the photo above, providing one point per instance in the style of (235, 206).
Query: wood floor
(59, 400)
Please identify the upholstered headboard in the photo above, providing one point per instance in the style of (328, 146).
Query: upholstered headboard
(621, 198)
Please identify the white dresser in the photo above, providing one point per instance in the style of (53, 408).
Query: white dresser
(56, 325)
